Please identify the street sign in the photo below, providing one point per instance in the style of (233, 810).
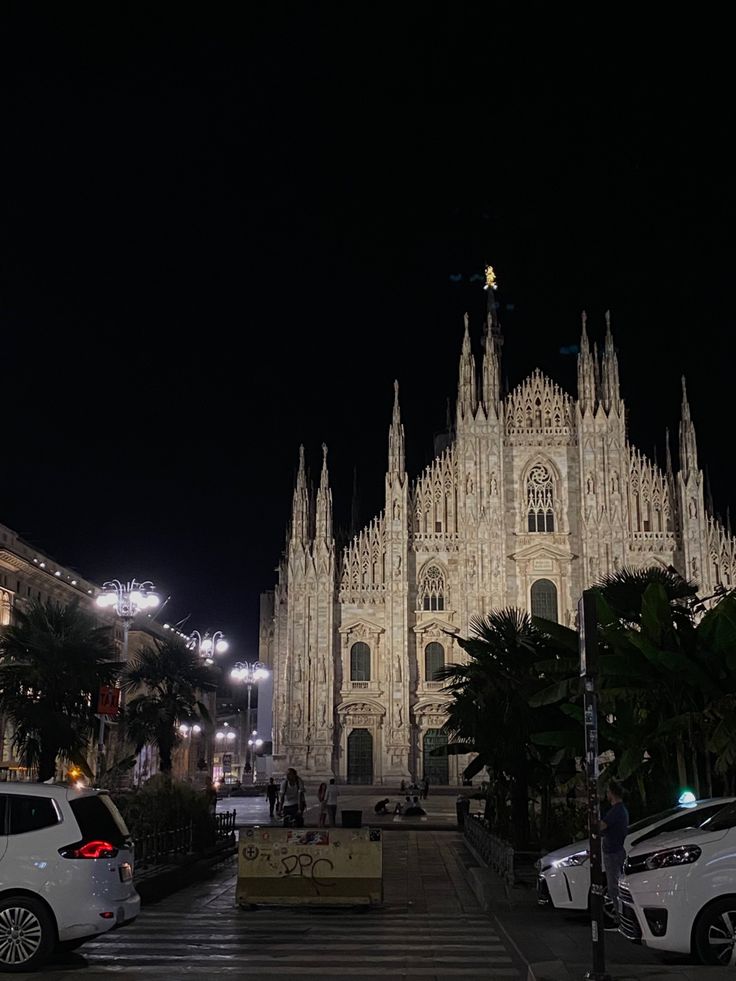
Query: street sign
(108, 701)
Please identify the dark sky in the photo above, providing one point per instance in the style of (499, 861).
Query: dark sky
(227, 231)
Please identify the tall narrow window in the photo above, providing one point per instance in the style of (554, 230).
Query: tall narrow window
(360, 662)
(544, 599)
(540, 500)
(432, 589)
(434, 661)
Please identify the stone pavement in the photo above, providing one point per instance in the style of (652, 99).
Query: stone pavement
(429, 928)
(440, 808)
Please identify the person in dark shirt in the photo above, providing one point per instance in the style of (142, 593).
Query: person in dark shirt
(615, 827)
(272, 792)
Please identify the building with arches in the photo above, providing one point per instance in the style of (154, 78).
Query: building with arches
(536, 496)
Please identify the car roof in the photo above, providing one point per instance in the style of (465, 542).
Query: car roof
(59, 791)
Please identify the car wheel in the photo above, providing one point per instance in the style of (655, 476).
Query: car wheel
(715, 933)
(27, 933)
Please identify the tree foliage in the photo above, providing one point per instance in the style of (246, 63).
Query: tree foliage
(53, 660)
(667, 690)
(164, 681)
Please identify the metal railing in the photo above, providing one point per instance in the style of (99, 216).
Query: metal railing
(495, 852)
(157, 848)
(162, 846)
(224, 825)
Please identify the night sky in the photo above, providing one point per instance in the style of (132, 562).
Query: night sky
(227, 231)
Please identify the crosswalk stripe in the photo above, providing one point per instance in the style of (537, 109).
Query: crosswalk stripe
(299, 970)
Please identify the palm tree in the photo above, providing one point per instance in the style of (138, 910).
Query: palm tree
(165, 681)
(53, 660)
(491, 714)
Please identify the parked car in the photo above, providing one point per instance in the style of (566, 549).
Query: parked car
(66, 870)
(678, 893)
(564, 875)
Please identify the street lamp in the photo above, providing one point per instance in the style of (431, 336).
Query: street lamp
(126, 600)
(250, 673)
(207, 645)
(224, 739)
(254, 743)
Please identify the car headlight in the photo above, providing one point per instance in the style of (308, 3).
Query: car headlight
(579, 858)
(668, 857)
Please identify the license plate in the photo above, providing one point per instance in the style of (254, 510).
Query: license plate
(126, 872)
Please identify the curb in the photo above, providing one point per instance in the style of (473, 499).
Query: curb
(169, 878)
(559, 971)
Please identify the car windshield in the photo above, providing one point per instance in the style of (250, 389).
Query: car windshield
(724, 819)
(653, 819)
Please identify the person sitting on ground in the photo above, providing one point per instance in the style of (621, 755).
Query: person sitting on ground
(398, 809)
(415, 809)
(380, 807)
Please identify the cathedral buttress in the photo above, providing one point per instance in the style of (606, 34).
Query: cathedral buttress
(691, 502)
(395, 666)
(610, 394)
(466, 391)
(586, 371)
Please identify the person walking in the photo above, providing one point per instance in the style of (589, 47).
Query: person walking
(272, 792)
(322, 798)
(292, 799)
(615, 827)
(425, 788)
(331, 801)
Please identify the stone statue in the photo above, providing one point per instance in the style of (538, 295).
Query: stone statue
(324, 713)
(401, 717)
(397, 565)
(398, 667)
(298, 714)
(322, 671)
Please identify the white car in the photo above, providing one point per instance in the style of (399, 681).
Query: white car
(678, 893)
(66, 870)
(564, 875)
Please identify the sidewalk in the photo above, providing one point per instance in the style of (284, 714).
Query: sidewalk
(557, 946)
(440, 807)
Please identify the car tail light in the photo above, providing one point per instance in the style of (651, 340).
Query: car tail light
(89, 849)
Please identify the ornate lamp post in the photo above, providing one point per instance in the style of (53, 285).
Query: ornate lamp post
(249, 673)
(207, 645)
(126, 600)
(254, 743)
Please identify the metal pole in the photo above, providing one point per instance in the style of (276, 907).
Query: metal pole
(588, 643)
(249, 755)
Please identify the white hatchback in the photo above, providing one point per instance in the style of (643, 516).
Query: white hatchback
(564, 875)
(66, 870)
(678, 893)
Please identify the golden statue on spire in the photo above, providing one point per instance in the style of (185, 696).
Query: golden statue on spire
(491, 283)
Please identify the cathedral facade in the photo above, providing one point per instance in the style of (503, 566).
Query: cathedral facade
(537, 496)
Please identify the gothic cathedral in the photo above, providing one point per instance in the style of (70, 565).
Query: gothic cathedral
(535, 498)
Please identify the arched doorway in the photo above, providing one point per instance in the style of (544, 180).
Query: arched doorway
(544, 599)
(437, 768)
(360, 756)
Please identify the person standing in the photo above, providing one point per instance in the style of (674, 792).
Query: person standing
(292, 799)
(272, 792)
(331, 801)
(615, 827)
(425, 788)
